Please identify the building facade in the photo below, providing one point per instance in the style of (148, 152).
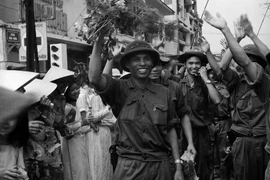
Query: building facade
(59, 28)
(67, 12)
(188, 22)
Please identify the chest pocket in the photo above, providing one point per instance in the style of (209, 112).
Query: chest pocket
(159, 114)
(129, 110)
(249, 103)
(199, 104)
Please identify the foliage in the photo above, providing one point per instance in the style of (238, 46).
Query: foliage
(122, 15)
(170, 30)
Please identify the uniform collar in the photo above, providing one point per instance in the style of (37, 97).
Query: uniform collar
(149, 86)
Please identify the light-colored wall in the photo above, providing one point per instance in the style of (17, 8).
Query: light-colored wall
(9, 10)
(74, 10)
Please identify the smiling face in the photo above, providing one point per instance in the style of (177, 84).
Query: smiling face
(73, 92)
(193, 64)
(8, 126)
(140, 65)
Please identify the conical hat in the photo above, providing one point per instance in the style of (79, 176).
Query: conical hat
(55, 73)
(12, 103)
(13, 79)
(38, 88)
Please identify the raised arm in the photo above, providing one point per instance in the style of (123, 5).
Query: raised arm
(94, 73)
(212, 91)
(210, 57)
(109, 64)
(238, 52)
(246, 24)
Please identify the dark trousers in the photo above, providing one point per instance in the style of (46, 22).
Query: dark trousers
(131, 169)
(222, 160)
(249, 158)
(205, 152)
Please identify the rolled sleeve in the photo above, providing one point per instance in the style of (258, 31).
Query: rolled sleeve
(261, 85)
(172, 119)
(221, 110)
(259, 75)
(181, 106)
(110, 92)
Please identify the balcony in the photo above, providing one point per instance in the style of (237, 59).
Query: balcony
(163, 8)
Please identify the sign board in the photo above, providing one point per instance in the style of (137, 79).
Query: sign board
(13, 35)
(41, 37)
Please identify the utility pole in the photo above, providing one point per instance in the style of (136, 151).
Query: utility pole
(3, 45)
(196, 33)
(31, 45)
(177, 25)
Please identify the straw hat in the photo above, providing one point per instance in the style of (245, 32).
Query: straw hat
(12, 103)
(13, 79)
(55, 73)
(38, 88)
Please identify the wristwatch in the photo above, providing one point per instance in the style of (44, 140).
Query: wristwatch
(208, 81)
(177, 161)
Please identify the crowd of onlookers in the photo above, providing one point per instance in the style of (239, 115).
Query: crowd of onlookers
(137, 124)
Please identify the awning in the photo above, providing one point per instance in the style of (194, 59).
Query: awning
(73, 43)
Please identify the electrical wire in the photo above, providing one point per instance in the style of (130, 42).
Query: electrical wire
(197, 31)
(263, 18)
(74, 21)
(9, 7)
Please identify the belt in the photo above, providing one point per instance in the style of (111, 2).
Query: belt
(250, 134)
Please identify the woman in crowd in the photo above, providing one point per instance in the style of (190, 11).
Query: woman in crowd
(74, 143)
(43, 152)
(14, 134)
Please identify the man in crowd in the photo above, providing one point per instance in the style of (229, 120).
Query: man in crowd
(181, 108)
(197, 88)
(145, 132)
(249, 96)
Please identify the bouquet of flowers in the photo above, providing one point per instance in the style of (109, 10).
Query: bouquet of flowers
(122, 15)
(187, 161)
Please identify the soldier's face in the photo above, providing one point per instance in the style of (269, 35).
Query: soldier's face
(193, 64)
(156, 71)
(140, 65)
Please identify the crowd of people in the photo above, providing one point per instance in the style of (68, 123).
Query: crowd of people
(208, 121)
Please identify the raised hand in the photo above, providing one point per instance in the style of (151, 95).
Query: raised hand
(246, 25)
(117, 50)
(239, 31)
(224, 43)
(219, 22)
(205, 46)
(45, 101)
